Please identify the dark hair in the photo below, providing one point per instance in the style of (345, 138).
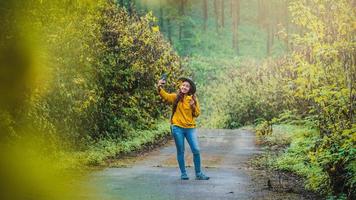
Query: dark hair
(180, 94)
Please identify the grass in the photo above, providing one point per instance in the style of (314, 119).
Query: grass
(297, 142)
(106, 149)
(281, 136)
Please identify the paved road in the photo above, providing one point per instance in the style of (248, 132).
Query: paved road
(156, 176)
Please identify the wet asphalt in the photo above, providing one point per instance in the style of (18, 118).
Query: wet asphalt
(155, 176)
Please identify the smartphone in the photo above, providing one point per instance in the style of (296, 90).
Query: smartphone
(164, 76)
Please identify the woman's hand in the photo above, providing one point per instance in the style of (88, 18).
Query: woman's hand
(192, 101)
(161, 83)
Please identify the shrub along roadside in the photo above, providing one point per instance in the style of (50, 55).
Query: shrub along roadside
(111, 148)
(89, 72)
(291, 150)
(74, 73)
(314, 83)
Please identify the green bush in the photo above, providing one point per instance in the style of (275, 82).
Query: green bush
(135, 56)
(312, 86)
(109, 148)
(96, 70)
(87, 74)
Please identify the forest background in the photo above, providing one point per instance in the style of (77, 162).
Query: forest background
(78, 81)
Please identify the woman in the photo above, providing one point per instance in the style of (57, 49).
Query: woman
(185, 110)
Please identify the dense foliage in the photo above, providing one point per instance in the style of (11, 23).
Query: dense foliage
(84, 73)
(134, 58)
(76, 74)
(96, 69)
(206, 27)
(315, 84)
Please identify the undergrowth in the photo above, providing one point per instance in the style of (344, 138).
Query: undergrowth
(107, 148)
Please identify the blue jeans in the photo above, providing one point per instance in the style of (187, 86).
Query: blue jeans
(179, 134)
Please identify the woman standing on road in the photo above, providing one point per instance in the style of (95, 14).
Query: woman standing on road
(185, 110)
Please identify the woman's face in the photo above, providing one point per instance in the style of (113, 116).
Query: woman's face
(185, 87)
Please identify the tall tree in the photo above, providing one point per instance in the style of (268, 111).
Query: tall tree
(235, 24)
(269, 39)
(169, 30)
(261, 14)
(205, 11)
(130, 5)
(231, 6)
(145, 5)
(216, 12)
(161, 17)
(181, 21)
(266, 20)
(286, 22)
(222, 13)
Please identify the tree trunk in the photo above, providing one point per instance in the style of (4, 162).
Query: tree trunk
(129, 7)
(145, 6)
(286, 23)
(349, 64)
(272, 34)
(267, 24)
(235, 23)
(181, 12)
(261, 13)
(182, 7)
(238, 11)
(222, 13)
(268, 28)
(216, 11)
(231, 6)
(161, 18)
(205, 11)
(169, 30)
